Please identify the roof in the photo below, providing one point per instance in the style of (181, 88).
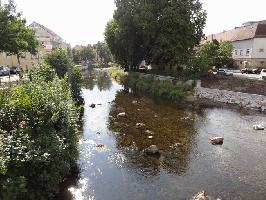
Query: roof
(249, 30)
(47, 29)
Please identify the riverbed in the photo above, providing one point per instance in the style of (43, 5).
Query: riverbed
(112, 165)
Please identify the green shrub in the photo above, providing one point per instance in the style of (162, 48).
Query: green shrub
(38, 137)
(75, 78)
(117, 73)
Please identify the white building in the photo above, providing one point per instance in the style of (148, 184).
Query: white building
(249, 43)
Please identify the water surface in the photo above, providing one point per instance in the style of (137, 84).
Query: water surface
(113, 166)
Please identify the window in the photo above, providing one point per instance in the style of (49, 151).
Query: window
(261, 50)
(247, 52)
(241, 53)
(236, 52)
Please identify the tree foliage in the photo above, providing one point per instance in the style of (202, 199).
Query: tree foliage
(212, 54)
(15, 37)
(59, 61)
(83, 54)
(103, 54)
(158, 31)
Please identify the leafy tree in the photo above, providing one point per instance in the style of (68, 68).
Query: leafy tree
(225, 54)
(83, 54)
(161, 31)
(103, 54)
(15, 38)
(212, 54)
(59, 60)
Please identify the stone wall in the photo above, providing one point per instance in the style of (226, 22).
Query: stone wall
(245, 100)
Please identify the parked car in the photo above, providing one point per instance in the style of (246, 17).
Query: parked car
(224, 72)
(4, 71)
(256, 71)
(14, 70)
(263, 74)
(247, 71)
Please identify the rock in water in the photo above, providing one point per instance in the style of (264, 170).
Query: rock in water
(258, 127)
(140, 125)
(148, 132)
(200, 196)
(152, 151)
(92, 105)
(134, 102)
(123, 114)
(217, 140)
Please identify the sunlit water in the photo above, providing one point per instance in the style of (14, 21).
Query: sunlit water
(113, 166)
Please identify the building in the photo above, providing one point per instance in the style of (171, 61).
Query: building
(47, 39)
(249, 43)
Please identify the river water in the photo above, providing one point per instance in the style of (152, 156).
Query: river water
(113, 166)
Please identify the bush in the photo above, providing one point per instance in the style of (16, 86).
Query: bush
(75, 84)
(158, 88)
(38, 136)
(117, 73)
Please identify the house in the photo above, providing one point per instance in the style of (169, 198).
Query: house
(249, 42)
(47, 39)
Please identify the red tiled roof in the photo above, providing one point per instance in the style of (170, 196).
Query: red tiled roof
(249, 31)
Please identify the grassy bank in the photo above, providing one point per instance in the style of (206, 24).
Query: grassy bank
(164, 89)
(117, 73)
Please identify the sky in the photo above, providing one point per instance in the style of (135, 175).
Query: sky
(82, 22)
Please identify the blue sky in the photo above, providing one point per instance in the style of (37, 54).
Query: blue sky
(83, 21)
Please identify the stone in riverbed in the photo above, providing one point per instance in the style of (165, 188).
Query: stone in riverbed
(258, 127)
(134, 102)
(92, 105)
(217, 140)
(200, 196)
(140, 125)
(148, 132)
(123, 114)
(152, 150)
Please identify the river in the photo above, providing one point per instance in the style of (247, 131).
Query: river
(113, 166)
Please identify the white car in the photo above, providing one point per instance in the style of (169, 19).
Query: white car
(263, 74)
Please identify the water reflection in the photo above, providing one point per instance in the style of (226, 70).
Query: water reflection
(97, 78)
(172, 130)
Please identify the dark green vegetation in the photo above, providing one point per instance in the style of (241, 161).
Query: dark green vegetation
(39, 130)
(213, 54)
(164, 89)
(96, 56)
(15, 37)
(160, 32)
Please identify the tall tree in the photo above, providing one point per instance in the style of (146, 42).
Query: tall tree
(15, 37)
(159, 31)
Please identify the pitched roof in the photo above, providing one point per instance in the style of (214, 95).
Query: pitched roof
(249, 30)
(33, 24)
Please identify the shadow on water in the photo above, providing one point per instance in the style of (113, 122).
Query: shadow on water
(112, 165)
